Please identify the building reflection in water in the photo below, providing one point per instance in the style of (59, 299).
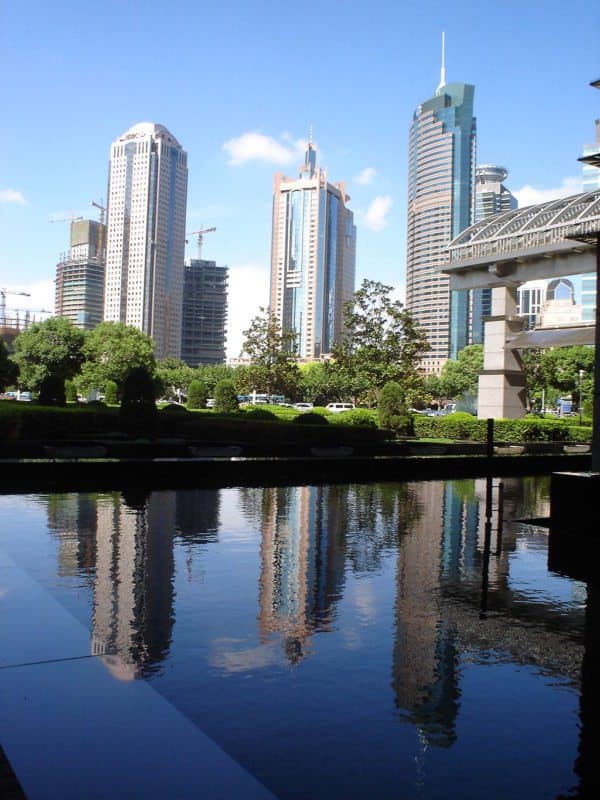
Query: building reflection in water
(312, 538)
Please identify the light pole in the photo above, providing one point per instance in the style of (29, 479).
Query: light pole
(580, 379)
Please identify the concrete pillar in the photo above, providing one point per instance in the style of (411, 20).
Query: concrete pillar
(502, 393)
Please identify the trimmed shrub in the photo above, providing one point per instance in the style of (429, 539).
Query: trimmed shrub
(174, 408)
(310, 418)
(70, 391)
(197, 395)
(226, 401)
(111, 397)
(360, 417)
(52, 391)
(260, 413)
(138, 405)
(392, 412)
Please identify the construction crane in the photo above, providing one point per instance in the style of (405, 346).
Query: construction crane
(200, 235)
(72, 218)
(101, 208)
(3, 293)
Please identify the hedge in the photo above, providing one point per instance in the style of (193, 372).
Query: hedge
(530, 429)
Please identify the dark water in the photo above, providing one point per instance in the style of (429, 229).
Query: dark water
(338, 641)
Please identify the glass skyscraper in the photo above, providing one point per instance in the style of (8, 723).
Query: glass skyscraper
(204, 315)
(440, 205)
(313, 257)
(147, 194)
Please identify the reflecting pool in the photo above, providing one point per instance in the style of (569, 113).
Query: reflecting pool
(337, 641)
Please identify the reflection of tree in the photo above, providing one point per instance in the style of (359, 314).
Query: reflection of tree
(197, 516)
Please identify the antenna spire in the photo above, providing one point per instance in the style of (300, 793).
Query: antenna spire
(443, 69)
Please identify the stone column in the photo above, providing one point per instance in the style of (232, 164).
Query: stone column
(502, 392)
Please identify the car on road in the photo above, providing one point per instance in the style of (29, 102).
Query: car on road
(336, 408)
(303, 406)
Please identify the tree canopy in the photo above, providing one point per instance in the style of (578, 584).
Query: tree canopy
(48, 349)
(462, 375)
(381, 343)
(8, 369)
(111, 350)
(271, 350)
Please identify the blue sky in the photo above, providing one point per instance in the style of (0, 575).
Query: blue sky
(240, 84)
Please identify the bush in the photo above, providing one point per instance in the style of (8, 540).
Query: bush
(260, 413)
(358, 417)
(111, 397)
(138, 397)
(310, 418)
(197, 395)
(392, 411)
(174, 408)
(226, 401)
(70, 392)
(52, 391)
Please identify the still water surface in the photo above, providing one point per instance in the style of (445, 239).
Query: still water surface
(338, 641)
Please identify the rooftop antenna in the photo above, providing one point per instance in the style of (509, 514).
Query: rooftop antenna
(310, 134)
(443, 69)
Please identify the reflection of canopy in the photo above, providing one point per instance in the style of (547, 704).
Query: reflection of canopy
(534, 226)
(553, 337)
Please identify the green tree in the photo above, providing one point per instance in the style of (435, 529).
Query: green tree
(461, 376)
(226, 401)
(196, 395)
(52, 391)
(272, 352)
(560, 368)
(111, 350)
(211, 374)
(392, 411)
(111, 394)
(174, 376)
(8, 369)
(138, 400)
(52, 348)
(381, 342)
(70, 391)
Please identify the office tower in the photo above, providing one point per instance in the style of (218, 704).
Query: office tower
(79, 291)
(204, 313)
(491, 197)
(440, 205)
(313, 255)
(147, 193)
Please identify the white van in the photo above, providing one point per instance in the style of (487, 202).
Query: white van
(335, 408)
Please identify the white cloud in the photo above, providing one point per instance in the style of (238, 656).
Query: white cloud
(530, 196)
(12, 196)
(375, 218)
(248, 291)
(365, 176)
(254, 146)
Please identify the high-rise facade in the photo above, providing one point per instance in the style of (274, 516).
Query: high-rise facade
(440, 205)
(79, 287)
(491, 197)
(313, 257)
(147, 194)
(204, 314)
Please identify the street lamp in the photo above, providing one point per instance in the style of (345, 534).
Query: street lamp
(580, 379)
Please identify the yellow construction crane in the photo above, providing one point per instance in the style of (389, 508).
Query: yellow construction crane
(3, 293)
(101, 208)
(200, 235)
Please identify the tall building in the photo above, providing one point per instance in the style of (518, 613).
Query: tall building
(204, 313)
(313, 256)
(591, 181)
(440, 205)
(79, 290)
(491, 197)
(147, 193)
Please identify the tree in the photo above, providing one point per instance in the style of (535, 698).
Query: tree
(52, 391)
(462, 375)
(392, 411)
(381, 343)
(196, 395)
(8, 369)
(111, 350)
(226, 401)
(138, 399)
(273, 368)
(560, 368)
(70, 391)
(52, 348)
(175, 376)
(111, 395)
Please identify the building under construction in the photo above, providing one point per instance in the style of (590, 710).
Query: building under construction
(80, 275)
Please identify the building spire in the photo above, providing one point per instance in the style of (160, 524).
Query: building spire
(443, 69)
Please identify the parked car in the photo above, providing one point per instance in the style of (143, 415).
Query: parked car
(303, 406)
(336, 408)
(210, 403)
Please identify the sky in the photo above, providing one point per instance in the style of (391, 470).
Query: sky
(240, 85)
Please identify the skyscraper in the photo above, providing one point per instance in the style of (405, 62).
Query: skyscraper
(491, 197)
(147, 193)
(204, 316)
(79, 290)
(313, 256)
(440, 205)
